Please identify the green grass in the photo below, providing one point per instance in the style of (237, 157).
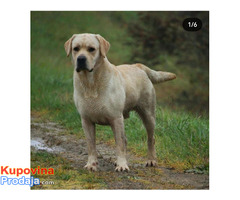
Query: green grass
(182, 139)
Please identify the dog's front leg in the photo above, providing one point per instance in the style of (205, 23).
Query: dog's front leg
(117, 126)
(90, 133)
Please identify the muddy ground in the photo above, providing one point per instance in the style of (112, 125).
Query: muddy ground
(50, 137)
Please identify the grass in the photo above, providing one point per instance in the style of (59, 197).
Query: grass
(182, 139)
(65, 176)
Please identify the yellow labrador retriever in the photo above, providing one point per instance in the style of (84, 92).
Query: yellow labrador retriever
(105, 94)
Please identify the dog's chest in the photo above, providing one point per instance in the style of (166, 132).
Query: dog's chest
(100, 102)
(99, 110)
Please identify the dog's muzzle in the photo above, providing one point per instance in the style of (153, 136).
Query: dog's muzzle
(82, 64)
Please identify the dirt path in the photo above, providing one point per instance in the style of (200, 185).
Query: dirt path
(51, 137)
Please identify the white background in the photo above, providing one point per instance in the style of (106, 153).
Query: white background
(224, 95)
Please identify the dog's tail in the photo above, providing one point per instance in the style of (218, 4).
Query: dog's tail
(156, 76)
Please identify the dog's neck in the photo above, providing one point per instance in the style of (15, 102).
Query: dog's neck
(90, 84)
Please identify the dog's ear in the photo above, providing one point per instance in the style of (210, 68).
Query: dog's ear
(104, 45)
(68, 45)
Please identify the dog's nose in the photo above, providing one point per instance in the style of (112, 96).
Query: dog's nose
(81, 59)
(81, 63)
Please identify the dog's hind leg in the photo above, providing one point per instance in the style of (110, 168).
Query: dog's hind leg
(147, 114)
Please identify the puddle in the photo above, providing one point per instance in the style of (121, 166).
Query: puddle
(39, 144)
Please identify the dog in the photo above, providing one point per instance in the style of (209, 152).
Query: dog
(105, 94)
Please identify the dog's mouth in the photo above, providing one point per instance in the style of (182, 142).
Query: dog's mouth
(80, 68)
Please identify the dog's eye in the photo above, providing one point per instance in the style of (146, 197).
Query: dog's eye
(91, 49)
(76, 48)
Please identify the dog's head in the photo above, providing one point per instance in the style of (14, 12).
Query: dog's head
(87, 50)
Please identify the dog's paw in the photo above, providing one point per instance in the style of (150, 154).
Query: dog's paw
(121, 165)
(91, 166)
(151, 163)
(122, 168)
